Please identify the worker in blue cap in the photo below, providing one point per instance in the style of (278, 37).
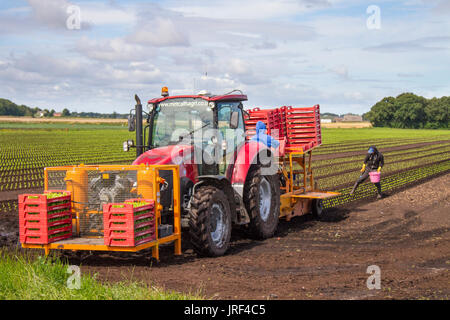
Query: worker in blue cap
(373, 161)
(262, 137)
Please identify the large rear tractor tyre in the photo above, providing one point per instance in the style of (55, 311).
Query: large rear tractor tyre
(210, 222)
(262, 201)
(317, 209)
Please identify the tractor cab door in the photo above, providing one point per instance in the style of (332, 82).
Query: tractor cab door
(232, 138)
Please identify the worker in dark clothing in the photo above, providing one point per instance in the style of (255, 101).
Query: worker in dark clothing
(373, 161)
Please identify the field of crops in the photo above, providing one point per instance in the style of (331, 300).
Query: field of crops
(410, 155)
(24, 153)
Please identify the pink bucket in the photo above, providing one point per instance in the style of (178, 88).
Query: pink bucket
(375, 176)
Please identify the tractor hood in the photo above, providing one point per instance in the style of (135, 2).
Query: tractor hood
(178, 154)
(164, 155)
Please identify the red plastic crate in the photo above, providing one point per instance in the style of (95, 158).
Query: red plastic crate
(35, 216)
(129, 224)
(113, 239)
(44, 236)
(270, 117)
(302, 128)
(120, 223)
(299, 127)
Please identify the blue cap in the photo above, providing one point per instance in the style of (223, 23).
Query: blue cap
(260, 126)
(371, 150)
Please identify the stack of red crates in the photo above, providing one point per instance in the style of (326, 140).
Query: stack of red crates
(42, 220)
(276, 124)
(256, 115)
(127, 226)
(302, 128)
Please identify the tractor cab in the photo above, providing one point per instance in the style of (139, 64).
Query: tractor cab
(203, 132)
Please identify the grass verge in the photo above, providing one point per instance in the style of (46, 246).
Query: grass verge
(27, 277)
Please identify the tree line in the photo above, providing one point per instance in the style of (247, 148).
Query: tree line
(9, 108)
(410, 111)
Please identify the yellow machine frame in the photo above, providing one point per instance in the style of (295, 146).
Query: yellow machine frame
(151, 191)
(299, 193)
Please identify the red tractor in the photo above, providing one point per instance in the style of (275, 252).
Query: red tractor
(197, 169)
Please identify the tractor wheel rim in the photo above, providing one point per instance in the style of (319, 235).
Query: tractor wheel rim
(265, 199)
(218, 224)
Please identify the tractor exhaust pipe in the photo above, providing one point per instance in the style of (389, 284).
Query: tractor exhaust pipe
(139, 139)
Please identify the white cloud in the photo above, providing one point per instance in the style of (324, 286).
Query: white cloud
(278, 52)
(116, 49)
(50, 12)
(159, 32)
(341, 71)
(251, 9)
(105, 14)
(442, 8)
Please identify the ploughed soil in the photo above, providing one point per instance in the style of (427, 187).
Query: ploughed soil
(406, 234)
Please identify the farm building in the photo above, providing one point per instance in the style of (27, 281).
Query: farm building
(352, 118)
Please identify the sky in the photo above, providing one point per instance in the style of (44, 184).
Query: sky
(344, 55)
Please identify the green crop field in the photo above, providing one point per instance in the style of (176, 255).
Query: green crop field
(26, 148)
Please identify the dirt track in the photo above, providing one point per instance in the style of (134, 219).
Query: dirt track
(406, 234)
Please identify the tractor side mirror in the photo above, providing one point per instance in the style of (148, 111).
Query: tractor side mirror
(234, 120)
(131, 123)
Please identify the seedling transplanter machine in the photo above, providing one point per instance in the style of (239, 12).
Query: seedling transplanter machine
(197, 171)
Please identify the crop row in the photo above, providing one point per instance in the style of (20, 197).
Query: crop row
(348, 178)
(338, 159)
(408, 159)
(392, 182)
(36, 149)
(363, 146)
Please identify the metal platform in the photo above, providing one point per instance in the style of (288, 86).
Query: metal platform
(97, 244)
(82, 241)
(316, 195)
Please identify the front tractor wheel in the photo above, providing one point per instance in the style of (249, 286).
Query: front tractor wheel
(210, 222)
(262, 199)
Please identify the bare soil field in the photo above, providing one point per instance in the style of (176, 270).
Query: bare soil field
(346, 125)
(406, 234)
(61, 120)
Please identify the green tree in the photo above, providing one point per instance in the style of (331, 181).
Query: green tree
(382, 113)
(65, 113)
(409, 111)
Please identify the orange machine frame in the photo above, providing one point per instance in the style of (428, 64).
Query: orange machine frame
(89, 244)
(296, 199)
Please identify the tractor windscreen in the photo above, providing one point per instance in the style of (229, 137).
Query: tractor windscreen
(177, 120)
